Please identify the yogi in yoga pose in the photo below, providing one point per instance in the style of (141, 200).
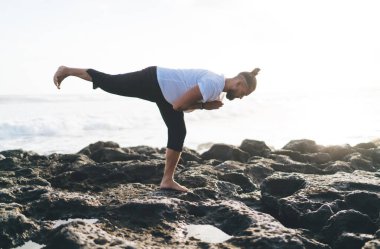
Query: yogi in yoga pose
(174, 91)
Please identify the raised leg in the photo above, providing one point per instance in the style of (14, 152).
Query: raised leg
(167, 181)
(63, 72)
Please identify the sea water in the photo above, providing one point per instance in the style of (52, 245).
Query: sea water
(66, 123)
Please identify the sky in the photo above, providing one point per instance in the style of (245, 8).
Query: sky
(299, 45)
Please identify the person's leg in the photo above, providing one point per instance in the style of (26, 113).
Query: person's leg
(63, 72)
(176, 135)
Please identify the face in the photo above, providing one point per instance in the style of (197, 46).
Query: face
(239, 90)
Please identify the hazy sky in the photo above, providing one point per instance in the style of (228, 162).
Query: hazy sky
(297, 44)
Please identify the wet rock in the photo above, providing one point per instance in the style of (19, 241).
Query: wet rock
(350, 221)
(294, 155)
(351, 241)
(78, 234)
(358, 162)
(59, 205)
(309, 197)
(255, 148)
(302, 146)
(376, 155)
(365, 202)
(336, 166)
(366, 146)
(239, 179)
(189, 155)
(337, 152)
(15, 228)
(225, 152)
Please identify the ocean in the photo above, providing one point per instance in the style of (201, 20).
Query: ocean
(61, 123)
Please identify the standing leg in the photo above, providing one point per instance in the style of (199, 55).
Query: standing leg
(64, 72)
(176, 136)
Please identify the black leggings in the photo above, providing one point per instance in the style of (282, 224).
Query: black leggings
(144, 85)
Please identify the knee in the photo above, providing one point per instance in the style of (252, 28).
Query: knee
(176, 138)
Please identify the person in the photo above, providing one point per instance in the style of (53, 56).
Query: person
(174, 91)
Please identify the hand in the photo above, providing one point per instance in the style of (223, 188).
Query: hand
(216, 104)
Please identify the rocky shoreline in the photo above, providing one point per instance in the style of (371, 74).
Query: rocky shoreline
(302, 196)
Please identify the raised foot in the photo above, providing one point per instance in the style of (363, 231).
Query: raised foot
(172, 185)
(60, 75)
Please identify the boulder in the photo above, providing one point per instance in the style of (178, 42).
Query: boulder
(302, 146)
(225, 152)
(255, 148)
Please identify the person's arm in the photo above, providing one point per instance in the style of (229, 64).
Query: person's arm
(190, 100)
(216, 104)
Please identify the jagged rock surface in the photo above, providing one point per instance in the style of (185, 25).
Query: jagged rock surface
(301, 196)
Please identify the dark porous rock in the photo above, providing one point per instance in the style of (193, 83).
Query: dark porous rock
(351, 221)
(360, 163)
(255, 148)
(319, 158)
(310, 196)
(78, 234)
(92, 148)
(337, 152)
(285, 164)
(189, 155)
(225, 152)
(351, 241)
(303, 146)
(15, 228)
(239, 179)
(365, 202)
(58, 205)
(114, 154)
(311, 200)
(366, 146)
(336, 166)
(376, 155)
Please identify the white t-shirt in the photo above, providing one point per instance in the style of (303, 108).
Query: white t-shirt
(175, 82)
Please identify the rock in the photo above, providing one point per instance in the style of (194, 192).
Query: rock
(303, 146)
(15, 228)
(376, 155)
(225, 152)
(336, 166)
(188, 155)
(319, 158)
(365, 202)
(114, 154)
(59, 205)
(78, 234)
(351, 241)
(359, 163)
(366, 146)
(337, 152)
(294, 155)
(350, 221)
(255, 148)
(239, 179)
(308, 197)
(92, 148)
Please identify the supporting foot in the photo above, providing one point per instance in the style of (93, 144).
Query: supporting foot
(171, 184)
(60, 75)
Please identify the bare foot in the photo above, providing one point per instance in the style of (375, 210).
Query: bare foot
(173, 185)
(60, 75)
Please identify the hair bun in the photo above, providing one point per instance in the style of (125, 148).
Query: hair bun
(255, 71)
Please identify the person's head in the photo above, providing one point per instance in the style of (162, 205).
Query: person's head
(242, 84)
